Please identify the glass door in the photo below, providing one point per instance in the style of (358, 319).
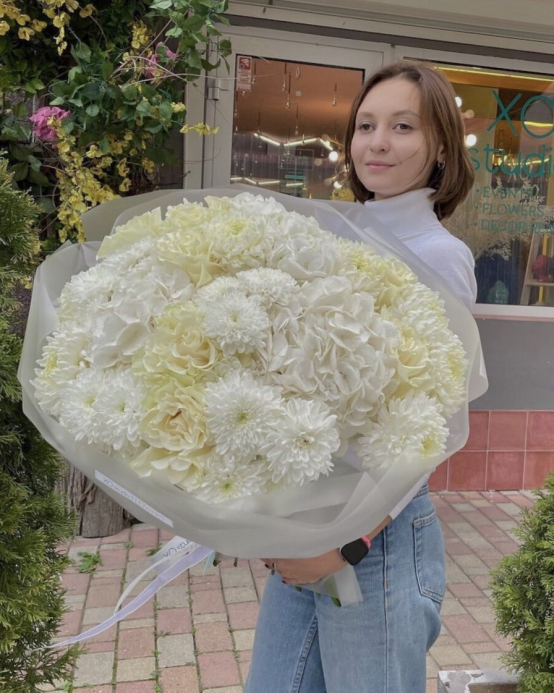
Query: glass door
(282, 112)
(508, 219)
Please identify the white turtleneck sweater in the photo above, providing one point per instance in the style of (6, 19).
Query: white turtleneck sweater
(410, 217)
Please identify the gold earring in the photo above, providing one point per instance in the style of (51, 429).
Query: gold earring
(441, 165)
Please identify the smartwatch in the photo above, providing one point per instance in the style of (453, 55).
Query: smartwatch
(355, 551)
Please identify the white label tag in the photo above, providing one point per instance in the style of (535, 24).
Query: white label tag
(127, 494)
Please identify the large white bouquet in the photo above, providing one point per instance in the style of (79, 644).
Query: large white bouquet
(245, 375)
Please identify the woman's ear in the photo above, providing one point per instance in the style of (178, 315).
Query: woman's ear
(440, 154)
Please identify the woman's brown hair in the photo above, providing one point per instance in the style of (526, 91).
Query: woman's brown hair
(442, 123)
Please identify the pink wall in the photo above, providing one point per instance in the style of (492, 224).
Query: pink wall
(506, 450)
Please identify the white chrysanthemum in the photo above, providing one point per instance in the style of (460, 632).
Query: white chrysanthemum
(301, 445)
(449, 362)
(119, 409)
(215, 291)
(66, 354)
(420, 308)
(246, 204)
(238, 323)
(239, 242)
(138, 257)
(86, 293)
(408, 428)
(240, 412)
(270, 285)
(145, 225)
(226, 482)
(78, 413)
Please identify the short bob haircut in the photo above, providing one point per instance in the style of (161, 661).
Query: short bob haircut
(442, 123)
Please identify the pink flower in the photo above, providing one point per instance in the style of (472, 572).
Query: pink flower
(152, 72)
(41, 122)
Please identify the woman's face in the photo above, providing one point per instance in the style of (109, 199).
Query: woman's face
(389, 151)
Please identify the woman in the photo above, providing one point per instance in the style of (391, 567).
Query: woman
(407, 161)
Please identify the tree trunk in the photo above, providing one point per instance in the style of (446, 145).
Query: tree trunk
(98, 514)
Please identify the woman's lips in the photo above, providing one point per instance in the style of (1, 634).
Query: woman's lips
(375, 167)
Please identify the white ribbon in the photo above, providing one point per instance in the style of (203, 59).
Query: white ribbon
(197, 555)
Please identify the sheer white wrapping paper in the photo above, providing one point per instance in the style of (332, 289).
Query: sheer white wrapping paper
(302, 522)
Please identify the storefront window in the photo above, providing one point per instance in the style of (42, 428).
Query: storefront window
(508, 220)
(288, 125)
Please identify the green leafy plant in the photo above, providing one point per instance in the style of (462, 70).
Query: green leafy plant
(523, 596)
(89, 562)
(33, 519)
(103, 85)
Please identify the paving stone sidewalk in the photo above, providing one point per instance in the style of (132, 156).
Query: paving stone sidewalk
(196, 635)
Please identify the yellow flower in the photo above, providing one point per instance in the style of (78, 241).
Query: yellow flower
(128, 136)
(38, 25)
(148, 165)
(125, 185)
(22, 19)
(140, 36)
(72, 5)
(122, 168)
(87, 11)
(61, 20)
(94, 152)
(25, 33)
(200, 128)
(4, 28)
(178, 107)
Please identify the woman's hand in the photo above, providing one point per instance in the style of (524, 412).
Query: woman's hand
(306, 571)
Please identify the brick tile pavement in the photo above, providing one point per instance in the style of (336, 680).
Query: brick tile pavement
(196, 636)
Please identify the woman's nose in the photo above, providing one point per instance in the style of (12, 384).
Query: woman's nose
(379, 141)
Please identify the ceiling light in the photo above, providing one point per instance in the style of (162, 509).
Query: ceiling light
(267, 139)
(333, 156)
(458, 101)
(297, 143)
(471, 140)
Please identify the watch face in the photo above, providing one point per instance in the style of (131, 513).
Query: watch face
(355, 551)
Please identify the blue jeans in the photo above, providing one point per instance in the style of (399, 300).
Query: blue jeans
(306, 644)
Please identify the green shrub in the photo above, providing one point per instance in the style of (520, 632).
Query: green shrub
(523, 596)
(32, 516)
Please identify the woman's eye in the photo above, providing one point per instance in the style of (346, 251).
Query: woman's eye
(364, 126)
(404, 126)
